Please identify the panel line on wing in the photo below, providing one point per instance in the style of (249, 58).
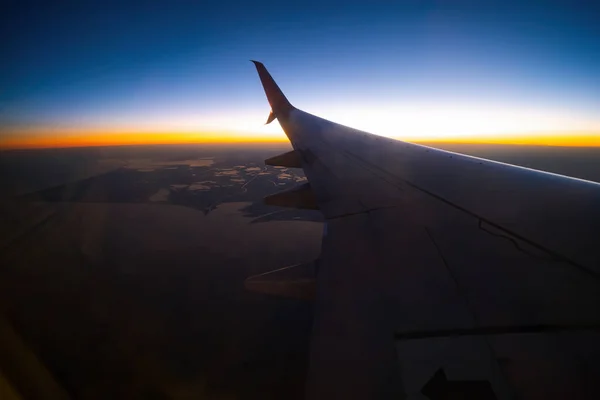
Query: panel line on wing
(515, 243)
(380, 172)
(495, 330)
(470, 309)
(554, 254)
(358, 212)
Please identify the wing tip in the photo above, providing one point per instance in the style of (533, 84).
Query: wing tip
(279, 103)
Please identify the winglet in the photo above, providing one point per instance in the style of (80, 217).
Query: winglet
(280, 106)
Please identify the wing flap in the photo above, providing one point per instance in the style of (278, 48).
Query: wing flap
(291, 159)
(298, 197)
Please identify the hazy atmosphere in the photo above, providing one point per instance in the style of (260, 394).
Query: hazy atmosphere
(102, 73)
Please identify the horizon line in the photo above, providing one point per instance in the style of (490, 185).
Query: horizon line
(258, 141)
(68, 138)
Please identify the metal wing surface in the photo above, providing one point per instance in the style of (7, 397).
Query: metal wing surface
(435, 261)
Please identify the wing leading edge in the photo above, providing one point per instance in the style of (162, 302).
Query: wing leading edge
(436, 260)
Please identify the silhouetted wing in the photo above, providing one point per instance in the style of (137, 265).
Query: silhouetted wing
(434, 260)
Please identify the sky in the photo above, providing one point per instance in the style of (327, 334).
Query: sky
(77, 73)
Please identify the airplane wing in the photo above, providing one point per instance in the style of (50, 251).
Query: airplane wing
(442, 274)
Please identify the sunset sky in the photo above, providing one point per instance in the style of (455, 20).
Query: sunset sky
(179, 72)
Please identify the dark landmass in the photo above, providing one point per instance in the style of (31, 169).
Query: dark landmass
(123, 268)
(201, 183)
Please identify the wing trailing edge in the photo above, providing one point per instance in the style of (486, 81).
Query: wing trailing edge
(297, 281)
(301, 197)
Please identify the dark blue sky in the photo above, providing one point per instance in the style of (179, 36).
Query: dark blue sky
(180, 64)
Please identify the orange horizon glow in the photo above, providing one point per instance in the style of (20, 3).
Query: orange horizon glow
(589, 140)
(38, 139)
